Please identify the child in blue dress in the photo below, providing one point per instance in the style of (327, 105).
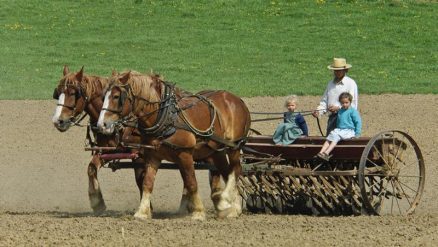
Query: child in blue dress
(348, 125)
(294, 124)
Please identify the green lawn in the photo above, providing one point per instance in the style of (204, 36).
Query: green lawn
(249, 47)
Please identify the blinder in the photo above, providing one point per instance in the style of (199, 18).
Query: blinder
(55, 94)
(124, 91)
(123, 97)
(78, 93)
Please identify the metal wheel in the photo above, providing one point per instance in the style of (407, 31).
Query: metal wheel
(391, 174)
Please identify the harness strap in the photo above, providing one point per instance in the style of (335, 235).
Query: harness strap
(88, 137)
(77, 123)
(204, 133)
(165, 115)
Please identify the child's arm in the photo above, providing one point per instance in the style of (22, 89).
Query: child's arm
(301, 122)
(357, 121)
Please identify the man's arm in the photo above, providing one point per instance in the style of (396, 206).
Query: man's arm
(322, 107)
(354, 92)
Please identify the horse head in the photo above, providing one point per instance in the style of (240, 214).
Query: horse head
(117, 103)
(71, 99)
(130, 92)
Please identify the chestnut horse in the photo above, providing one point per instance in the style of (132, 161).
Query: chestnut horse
(180, 127)
(78, 93)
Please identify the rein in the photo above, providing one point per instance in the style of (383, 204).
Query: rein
(279, 113)
(319, 126)
(77, 122)
(304, 113)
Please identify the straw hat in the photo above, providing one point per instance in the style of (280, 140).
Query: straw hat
(339, 64)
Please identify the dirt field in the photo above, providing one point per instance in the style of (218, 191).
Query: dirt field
(44, 201)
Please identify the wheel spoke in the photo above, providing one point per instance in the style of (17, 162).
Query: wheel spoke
(404, 163)
(386, 150)
(381, 156)
(398, 147)
(392, 202)
(409, 176)
(401, 187)
(396, 199)
(401, 183)
(372, 162)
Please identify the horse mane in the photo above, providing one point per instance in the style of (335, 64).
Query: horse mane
(94, 85)
(139, 82)
(89, 85)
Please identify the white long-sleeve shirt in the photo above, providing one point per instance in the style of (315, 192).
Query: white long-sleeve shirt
(333, 90)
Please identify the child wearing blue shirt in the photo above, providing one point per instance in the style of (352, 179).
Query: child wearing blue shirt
(293, 126)
(348, 125)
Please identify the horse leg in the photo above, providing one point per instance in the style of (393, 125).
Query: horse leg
(220, 161)
(139, 174)
(94, 193)
(144, 211)
(215, 186)
(214, 177)
(190, 200)
(184, 203)
(230, 203)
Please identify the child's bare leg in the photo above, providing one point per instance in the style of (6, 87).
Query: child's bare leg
(325, 146)
(330, 147)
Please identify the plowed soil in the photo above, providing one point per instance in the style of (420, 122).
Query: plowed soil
(44, 201)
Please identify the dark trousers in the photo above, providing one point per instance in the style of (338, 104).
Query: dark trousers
(331, 123)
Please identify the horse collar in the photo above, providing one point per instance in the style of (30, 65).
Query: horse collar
(167, 113)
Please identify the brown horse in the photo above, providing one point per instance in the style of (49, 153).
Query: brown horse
(78, 93)
(181, 127)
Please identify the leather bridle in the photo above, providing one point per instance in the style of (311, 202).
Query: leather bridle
(78, 116)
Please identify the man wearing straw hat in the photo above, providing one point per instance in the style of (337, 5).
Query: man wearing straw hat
(339, 84)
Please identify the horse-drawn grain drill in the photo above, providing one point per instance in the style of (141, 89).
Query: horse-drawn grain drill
(384, 174)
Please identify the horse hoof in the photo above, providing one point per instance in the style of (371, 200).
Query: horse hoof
(99, 209)
(182, 211)
(198, 216)
(227, 213)
(142, 217)
(223, 205)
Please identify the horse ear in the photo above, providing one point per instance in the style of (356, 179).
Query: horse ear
(126, 77)
(80, 74)
(114, 73)
(66, 70)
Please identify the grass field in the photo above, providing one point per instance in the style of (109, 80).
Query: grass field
(249, 47)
